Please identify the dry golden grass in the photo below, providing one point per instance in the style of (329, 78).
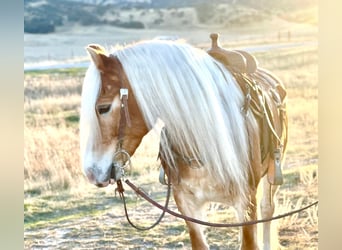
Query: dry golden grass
(51, 104)
(50, 158)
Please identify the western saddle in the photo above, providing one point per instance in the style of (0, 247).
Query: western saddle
(265, 96)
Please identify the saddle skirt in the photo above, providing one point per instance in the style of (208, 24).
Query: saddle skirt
(265, 95)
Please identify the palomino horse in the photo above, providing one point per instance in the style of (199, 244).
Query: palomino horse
(212, 145)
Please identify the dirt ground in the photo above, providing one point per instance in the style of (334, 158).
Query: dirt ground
(93, 218)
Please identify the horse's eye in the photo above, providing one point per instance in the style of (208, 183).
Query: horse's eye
(102, 109)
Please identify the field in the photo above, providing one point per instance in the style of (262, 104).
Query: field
(63, 211)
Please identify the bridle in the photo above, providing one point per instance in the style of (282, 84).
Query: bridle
(122, 155)
(122, 160)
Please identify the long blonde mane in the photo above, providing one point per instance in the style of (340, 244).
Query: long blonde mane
(199, 102)
(89, 126)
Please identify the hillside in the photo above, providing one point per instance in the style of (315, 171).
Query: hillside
(45, 16)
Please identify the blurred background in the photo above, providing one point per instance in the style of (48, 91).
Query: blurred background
(58, 30)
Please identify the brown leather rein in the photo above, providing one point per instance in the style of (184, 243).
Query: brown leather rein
(210, 224)
(124, 118)
(124, 157)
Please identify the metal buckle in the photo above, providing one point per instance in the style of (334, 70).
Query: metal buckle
(123, 92)
(121, 161)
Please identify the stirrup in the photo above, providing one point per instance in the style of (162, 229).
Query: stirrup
(274, 174)
(162, 176)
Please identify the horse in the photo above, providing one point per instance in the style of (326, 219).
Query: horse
(211, 148)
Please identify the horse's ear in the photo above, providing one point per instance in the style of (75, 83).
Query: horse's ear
(98, 55)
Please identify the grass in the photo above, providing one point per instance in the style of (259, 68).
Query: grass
(62, 210)
(57, 72)
(95, 218)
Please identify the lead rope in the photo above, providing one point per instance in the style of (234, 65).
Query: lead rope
(121, 191)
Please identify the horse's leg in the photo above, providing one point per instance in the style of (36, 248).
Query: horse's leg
(188, 205)
(249, 239)
(267, 209)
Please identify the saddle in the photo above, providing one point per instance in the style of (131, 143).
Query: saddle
(265, 96)
(238, 61)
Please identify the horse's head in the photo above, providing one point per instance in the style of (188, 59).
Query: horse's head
(111, 124)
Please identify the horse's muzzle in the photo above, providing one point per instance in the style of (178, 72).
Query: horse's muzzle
(116, 173)
(95, 177)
